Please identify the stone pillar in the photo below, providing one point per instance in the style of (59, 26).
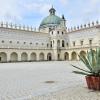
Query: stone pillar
(29, 58)
(70, 58)
(8, 57)
(19, 57)
(45, 56)
(38, 57)
(55, 50)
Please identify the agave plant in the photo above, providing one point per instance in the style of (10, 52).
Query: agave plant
(91, 61)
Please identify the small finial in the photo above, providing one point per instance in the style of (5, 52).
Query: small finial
(78, 27)
(1, 24)
(97, 22)
(84, 25)
(6, 24)
(92, 23)
(81, 26)
(63, 17)
(52, 6)
(89, 24)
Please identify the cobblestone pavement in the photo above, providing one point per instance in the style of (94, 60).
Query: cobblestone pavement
(43, 81)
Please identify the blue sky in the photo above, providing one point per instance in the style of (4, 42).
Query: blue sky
(31, 12)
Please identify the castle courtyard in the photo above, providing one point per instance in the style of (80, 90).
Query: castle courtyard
(43, 81)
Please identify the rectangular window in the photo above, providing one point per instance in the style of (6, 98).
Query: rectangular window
(74, 43)
(47, 45)
(81, 43)
(67, 44)
(90, 42)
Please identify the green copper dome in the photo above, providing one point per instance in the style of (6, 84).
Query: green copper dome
(51, 20)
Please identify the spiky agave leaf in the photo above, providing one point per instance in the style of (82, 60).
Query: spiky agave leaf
(82, 73)
(91, 59)
(82, 69)
(93, 62)
(86, 62)
(97, 68)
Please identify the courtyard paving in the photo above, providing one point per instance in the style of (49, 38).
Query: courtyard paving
(43, 81)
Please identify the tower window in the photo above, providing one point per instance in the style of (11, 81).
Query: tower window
(51, 44)
(74, 43)
(47, 45)
(62, 33)
(58, 32)
(63, 43)
(90, 41)
(81, 43)
(67, 44)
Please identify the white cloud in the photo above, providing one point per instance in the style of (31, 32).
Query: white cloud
(9, 10)
(41, 8)
(64, 2)
(95, 2)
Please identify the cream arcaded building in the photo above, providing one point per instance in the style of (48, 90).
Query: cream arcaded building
(52, 41)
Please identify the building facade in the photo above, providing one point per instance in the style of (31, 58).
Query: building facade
(52, 41)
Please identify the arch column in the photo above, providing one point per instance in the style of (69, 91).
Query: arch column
(45, 56)
(37, 57)
(8, 57)
(69, 56)
(28, 57)
(19, 57)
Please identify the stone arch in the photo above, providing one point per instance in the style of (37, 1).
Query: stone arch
(14, 57)
(41, 56)
(3, 57)
(74, 56)
(49, 56)
(24, 56)
(82, 53)
(66, 56)
(33, 56)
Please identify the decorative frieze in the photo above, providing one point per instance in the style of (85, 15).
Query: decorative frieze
(17, 27)
(85, 26)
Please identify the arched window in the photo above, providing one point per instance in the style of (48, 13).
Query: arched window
(14, 57)
(51, 44)
(49, 56)
(41, 56)
(58, 32)
(74, 56)
(3, 57)
(63, 43)
(47, 45)
(24, 56)
(67, 44)
(33, 56)
(66, 56)
(62, 33)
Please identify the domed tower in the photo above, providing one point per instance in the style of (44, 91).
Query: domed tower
(51, 22)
